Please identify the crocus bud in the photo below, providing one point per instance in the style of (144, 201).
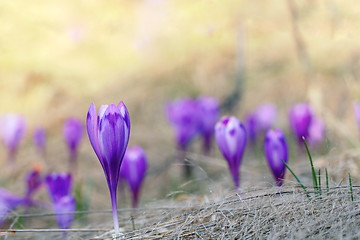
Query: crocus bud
(73, 132)
(39, 138)
(184, 117)
(276, 152)
(109, 133)
(8, 203)
(59, 187)
(316, 131)
(133, 170)
(300, 118)
(12, 131)
(33, 181)
(208, 112)
(230, 135)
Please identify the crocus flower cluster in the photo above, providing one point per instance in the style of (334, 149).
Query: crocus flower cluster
(260, 120)
(276, 152)
(304, 123)
(39, 138)
(191, 117)
(109, 133)
(59, 186)
(183, 115)
(12, 131)
(133, 170)
(73, 132)
(230, 135)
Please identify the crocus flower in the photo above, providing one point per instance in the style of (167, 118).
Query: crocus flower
(316, 131)
(208, 108)
(33, 182)
(133, 170)
(12, 131)
(300, 118)
(59, 188)
(183, 114)
(266, 116)
(8, 203)
(357, 113)
(276, 152)
(230, 135)
(109, 133)
(260, 120)
(73, 132)
(39, 138)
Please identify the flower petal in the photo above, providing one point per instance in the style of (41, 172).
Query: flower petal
(92, 129)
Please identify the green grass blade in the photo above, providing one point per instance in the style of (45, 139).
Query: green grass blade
(351, 188)
(315, 183)
(327, 180)
(297, 179)
(319, 182)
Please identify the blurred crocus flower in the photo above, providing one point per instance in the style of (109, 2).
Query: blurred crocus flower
(300, 118)
(276, 152)
(33, 182)
(230, 135)
(12, 131)
(59, 188)
(183, 114)
(208, 109)
(109, 133)
(261, 120)
(133, 170)
(316, 131)
(8, 202)
(73, 132)
(357, 112)
(39, 138)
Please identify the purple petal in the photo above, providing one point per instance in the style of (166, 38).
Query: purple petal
(276, 151)
(113, 139)
(92, 129)
(230, 135)
(65, 204)
(133, 169)
(300, 117)
(73, 132)
(58, 185)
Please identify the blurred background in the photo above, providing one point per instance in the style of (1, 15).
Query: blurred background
(56, 58)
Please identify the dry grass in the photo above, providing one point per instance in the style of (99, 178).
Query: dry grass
(266, 213)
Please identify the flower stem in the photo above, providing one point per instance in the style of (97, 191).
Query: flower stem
(114, 210)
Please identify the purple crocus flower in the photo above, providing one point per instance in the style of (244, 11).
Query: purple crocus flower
(109, 133)
(261, 120)
(40, 140)
(184, 117)
(230, 135)
(33, 182)
(73, 132)
(357, 112)
(276, 152)
(300, 117)
(208, 108)
(266, 116)
(133, 170)
(12, 131)
(59, 188)
(8, 203)
(316, 131)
